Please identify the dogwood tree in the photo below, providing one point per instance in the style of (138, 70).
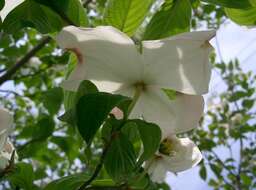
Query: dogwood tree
(107, 94)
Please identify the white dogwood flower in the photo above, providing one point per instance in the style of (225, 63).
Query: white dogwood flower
(6, 147)
(112, 61)
(175, 155)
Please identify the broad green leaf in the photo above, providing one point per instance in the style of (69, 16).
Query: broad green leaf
(32, 14)
(71, 11)
(68, 145)
(85, 87)
(22, 176)
(71, 99)
(2, 3)
(172, 18)
(239, 4)
(126, 15)
(246, 179)
(72, 182)
(245, 17)
(150, 135)
(92, 110)
(142, 182)
(44, 128)
(52, 100)
(253, 2)
(120, 159)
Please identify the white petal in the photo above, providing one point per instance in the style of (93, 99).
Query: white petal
(6, 121)
(4, 160)
(173, 116)
(186, 156)
(109, 55)
(6, 154)
(9, 6)
(180, 62)
(157, 171)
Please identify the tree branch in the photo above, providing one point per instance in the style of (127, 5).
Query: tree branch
(99, 166)
(8, 75)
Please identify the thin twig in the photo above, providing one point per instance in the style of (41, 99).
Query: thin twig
(239, 185)
(223, 164)
(8, 75)
(10, 92)
(99, 166)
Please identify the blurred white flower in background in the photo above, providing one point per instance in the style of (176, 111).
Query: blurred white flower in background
(6, 147)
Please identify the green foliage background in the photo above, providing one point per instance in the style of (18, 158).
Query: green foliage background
(50, 149)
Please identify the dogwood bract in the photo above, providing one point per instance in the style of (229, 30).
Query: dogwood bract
(113, 62)
(6, 147)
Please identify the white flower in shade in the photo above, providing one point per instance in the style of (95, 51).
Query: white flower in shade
(6, 147)
(8, 7)
(175, 155)
(112, 61)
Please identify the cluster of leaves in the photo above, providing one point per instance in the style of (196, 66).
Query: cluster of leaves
(79, 146)
(229, 127)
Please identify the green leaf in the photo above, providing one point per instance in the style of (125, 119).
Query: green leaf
(238, 95)
(253, 2)
(2, 3)
(22, 176)
(150, 135)
(92, 110)
(120, 159)
(85, 87)
(239, 4)
(68, 145)
(203, 172)
(173, 18)
(32, 14)
(53, 99)
(247, 103)
(71, 99)
(71, 11)
(216, 170)
(103, 182)
(171, 94)
(246, 179)
(142, 182)
(72, 182)
(126, 15)
(44, 128)
(245, 17)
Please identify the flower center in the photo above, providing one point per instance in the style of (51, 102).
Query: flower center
(140, 85)
(167, 147)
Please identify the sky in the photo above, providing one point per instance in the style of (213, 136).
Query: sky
(235, 42)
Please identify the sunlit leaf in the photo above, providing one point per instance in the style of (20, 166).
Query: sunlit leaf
(126, 15)
(172, 18)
